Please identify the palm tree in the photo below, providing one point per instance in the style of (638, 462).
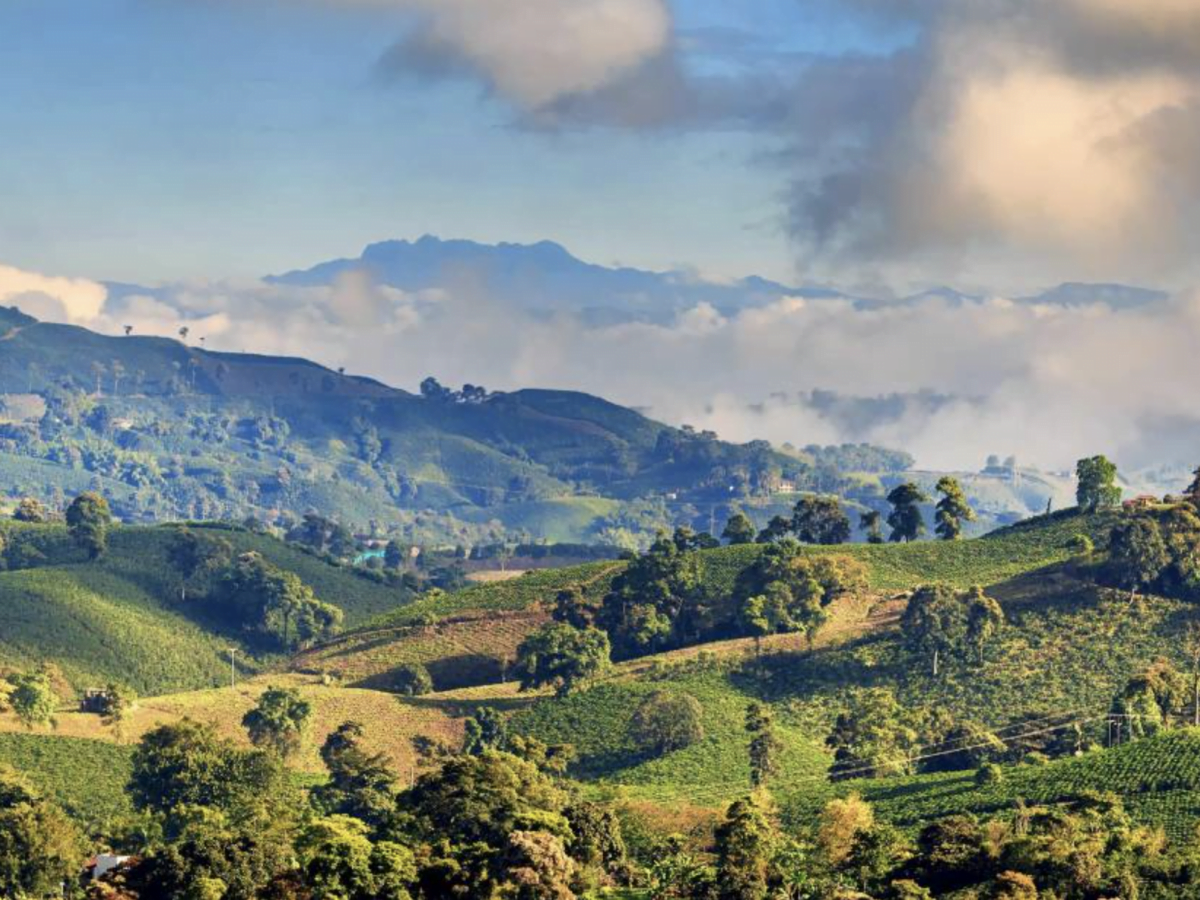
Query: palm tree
(128, 330)
(98, 370)
(184, 332)
(118, 372)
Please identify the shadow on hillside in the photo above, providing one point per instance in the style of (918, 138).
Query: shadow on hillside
(461, 708)
(449, 673)
(804, 674)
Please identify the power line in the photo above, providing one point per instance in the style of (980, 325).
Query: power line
(721, 789)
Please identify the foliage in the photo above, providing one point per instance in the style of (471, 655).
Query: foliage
(361, 784)
(643, 610)
(412, 680)
(765, 745)
(88, 519)
(1097, 488)
(820, 520)
(561, 657)
(32, 697)
(187, 765)
(665, 722)
(939, 622)
(905, 519)
(739, 529)
(278, 720)
(39, 846)
(952, 510)
(745, 845)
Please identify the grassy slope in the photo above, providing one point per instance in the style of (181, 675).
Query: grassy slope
(391, 722)
(120, 618)
(482, 628)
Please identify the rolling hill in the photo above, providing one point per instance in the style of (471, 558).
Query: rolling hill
(171, 431)
(121, 618)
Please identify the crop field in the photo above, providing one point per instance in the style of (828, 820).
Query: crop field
(86, 777)
(1158, 778)
(528, 591)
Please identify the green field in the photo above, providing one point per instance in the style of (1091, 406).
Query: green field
(121, 618)
(1157, 777)
(87, 778)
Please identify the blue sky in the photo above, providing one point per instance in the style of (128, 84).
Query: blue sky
(164, 139)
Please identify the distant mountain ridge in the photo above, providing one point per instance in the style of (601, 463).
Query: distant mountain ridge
(546, 278)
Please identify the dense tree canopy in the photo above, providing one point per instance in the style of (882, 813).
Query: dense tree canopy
(561, 657)
(278, 720)
(88, 518)
(820, 520)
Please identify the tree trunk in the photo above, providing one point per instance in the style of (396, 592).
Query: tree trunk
(936, 657)
(1196, 698)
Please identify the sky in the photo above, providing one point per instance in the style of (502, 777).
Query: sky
(883, 146)
(169, 139)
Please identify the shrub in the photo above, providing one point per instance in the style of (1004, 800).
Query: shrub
(412, 680)
(667, 722)
(988, 773)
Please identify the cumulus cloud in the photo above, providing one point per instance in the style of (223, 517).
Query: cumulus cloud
(74, 300)
(1055, 133)
(532, 52)
(960, 380)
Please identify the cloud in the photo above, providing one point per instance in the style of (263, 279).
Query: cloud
(74, 300)
(1058, 134)
(949, 381)
(531, 52)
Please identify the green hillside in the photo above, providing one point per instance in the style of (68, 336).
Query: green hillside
(410, 634)
(120, 618)
(171, 431)
(1158, 778)
(87, 778)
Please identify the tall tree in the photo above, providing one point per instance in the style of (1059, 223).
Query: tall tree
(739, 529)
(40, 848)
(278, 720)
(666, 722)
(1138, 554)
(30, 510)
(361, 784)
(1192, 494)
(777, 529)
(1097, 488)
(952, 510)
(905, 519)
(644, 609)
(745, 845)
(820, 520)
(88, 518)
(869, 523)
(934, 623)
(765, 745)
(985, 619)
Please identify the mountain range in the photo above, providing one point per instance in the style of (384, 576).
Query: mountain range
(545, 277)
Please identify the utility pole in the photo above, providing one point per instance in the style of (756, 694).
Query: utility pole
(232, 669)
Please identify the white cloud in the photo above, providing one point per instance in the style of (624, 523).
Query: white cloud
(533, 52)
(75, 300)
(1049, 383)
